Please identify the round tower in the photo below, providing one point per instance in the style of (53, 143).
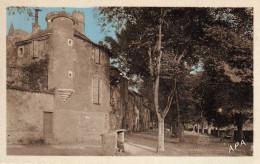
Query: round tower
(62, 70)
(80, 21)
(49, 19)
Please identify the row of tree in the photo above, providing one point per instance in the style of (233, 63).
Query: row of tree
(162, 46)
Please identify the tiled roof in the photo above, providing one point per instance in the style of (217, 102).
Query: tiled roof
(41, 34)
(83, 37)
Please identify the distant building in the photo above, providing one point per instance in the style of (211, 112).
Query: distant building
(60, 86)
(128, 107)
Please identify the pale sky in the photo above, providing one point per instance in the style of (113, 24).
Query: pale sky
(24, 22)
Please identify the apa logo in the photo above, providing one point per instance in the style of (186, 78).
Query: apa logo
(236, 145)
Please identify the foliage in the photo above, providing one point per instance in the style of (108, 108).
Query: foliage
(33, 77)
(36, 75)
(21, 10)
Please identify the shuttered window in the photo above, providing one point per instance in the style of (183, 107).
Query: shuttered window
(96, 90)
(34, 49)
(31, 49)
(96, 55)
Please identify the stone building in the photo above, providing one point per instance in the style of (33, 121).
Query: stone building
(118, 98)
(128, 107)
(60, 87)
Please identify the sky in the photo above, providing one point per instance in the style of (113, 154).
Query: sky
(24, 22)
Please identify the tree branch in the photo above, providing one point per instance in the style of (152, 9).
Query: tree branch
(169, 102)
(181, 56)
(150, 62)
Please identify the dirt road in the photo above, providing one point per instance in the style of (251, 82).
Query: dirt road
(196, 144)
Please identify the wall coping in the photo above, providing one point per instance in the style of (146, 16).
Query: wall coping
(24, 90)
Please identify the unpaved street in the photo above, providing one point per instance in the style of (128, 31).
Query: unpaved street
(196, 144)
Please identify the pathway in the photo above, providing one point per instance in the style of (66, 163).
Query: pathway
(195, 144)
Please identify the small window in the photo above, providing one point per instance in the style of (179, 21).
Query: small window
(96, 53)
(96, 90)
(20, 51)
(70, 74)
(70, 42)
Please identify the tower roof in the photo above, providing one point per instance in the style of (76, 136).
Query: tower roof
(53, 15)
(11, 29)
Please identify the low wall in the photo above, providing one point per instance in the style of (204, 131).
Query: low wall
(79, 127)
(25, 112)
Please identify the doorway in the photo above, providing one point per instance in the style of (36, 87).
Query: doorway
(47, 124)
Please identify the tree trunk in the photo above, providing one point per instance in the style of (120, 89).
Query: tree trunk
(198, 128)
(180, 127)
(240, 131)
(239, 124)
(209, 129)
(156, 76)
(160, 145)
(181, 130)
(202, 130)
(218, 131)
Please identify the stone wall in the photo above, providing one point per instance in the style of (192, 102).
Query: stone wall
(25, 112)
(128, 107)
(129, 115)
(118, 99)
(27, 63)
(144, 118)
(79, 127)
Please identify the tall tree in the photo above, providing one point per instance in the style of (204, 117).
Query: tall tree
(157, 44)
(229, 69)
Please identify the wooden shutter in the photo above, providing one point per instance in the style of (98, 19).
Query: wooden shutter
(97, 56)
(31, 49)
(96, 90)
(35, 49)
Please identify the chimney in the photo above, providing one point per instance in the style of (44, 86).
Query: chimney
(36, 26)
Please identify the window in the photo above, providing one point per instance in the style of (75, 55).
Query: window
(70, 74)
(34, 49)
(70, 42)
(20, 51)
(96, 90)
(96, 53)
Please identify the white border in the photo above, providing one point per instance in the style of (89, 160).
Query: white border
(94, 3)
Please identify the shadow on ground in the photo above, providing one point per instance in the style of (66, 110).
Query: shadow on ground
(144, 144)
(195, 144)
